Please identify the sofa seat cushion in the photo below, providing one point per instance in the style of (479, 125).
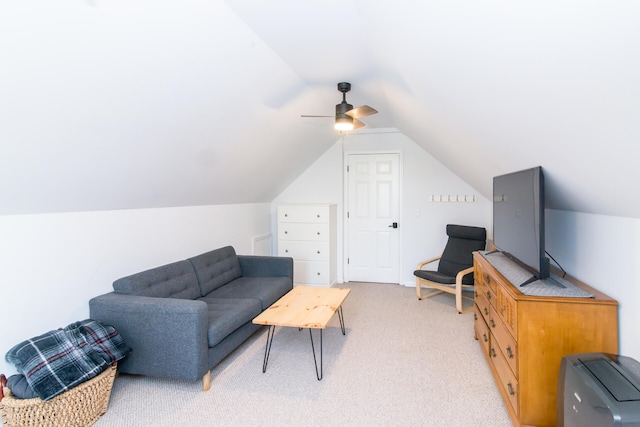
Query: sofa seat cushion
(228, 314)
(267, 289)
(175, 280)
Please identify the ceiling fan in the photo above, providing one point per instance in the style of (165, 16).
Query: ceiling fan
(346, 117)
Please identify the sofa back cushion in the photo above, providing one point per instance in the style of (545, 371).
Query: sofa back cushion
(175, 280)
(216, 268)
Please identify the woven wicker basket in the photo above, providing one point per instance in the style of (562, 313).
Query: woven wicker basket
(79, 407)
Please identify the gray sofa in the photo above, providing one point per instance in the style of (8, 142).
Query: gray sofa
(183, 318)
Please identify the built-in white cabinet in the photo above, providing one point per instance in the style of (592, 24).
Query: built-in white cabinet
(307, 233)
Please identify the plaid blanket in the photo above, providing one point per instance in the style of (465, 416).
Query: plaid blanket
(58, 360)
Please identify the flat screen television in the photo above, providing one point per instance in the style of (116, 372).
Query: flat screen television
(518, 220)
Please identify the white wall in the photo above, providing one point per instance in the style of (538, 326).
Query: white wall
(52, 264)
(422, 221)
(602, 251)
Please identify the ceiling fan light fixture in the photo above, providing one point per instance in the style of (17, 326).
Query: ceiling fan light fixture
(346, 117)
(344, 123)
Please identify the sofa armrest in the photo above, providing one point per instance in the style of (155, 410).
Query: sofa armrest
(168, 335)
(266, 266)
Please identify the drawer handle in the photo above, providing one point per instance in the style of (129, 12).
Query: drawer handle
(318, 273)
(318, 252)
(475, 316)
(318, 215)
(286, 232)
(493, 352)
(286, 215)
(318, 233)
(488, 295)
(286, 251)
(486, 311)
(511, 389)
(486, 338)
(475, 293)
(509, 352)
(493, 324)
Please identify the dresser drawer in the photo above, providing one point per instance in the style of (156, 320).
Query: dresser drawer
(300, 231)
(314, 214)
(506, 308)
(478, 275)
(508, 381)
(488, 294)
(480, 287)
(311, 272)
(489, 281)
(481, 329)
(484, 308)
(503, 340)
(304, 251)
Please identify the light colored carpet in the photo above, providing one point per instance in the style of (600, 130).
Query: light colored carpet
(403, 362)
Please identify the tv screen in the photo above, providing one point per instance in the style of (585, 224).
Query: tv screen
(518, 220)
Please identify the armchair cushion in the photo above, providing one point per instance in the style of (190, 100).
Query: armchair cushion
(434, 276)
(458, 253)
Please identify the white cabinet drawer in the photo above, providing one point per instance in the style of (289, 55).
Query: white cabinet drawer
(315, 214)
(311, 272)
(307, 233)
(302, 231)
(304, 251)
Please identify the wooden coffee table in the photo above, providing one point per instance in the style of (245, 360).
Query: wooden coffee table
(303, 307)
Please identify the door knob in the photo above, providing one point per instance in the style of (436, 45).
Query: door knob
(394, 225)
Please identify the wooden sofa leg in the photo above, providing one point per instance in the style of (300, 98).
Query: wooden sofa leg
(206, 381)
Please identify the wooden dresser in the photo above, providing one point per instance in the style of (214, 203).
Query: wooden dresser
(524, 338)
(307, 233)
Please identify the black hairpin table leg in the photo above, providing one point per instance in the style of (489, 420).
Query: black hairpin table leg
(341, 319)
(318, 374)
(267, 349)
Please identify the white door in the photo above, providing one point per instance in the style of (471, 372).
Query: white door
(373, 205)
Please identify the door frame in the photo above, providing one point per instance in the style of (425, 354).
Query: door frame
(345, 207)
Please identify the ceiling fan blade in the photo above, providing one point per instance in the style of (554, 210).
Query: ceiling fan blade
(363, 111)
(306, 115)
(357, 124)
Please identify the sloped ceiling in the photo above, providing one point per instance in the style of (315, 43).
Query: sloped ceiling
(134, 104)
